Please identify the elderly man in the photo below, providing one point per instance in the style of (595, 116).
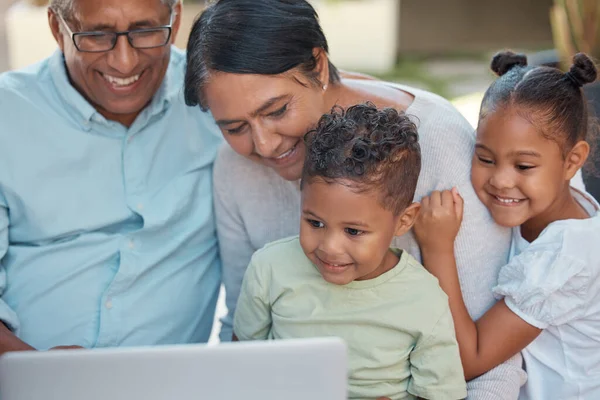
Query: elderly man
(107, 235)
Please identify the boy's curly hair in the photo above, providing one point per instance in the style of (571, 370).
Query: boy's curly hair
(373, 149)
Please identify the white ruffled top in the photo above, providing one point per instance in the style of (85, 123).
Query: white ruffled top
(553, 283)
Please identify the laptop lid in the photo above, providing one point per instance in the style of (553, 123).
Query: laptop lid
(304, 369)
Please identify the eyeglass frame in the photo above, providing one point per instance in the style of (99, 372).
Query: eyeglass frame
(116, 34)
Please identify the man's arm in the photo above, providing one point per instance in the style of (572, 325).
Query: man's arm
(9, 322)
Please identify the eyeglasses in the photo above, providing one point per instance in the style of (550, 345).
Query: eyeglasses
(98, 41)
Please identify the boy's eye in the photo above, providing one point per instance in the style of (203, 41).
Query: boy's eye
(485, 160)
(525, 167)
(279, 112)
(315, 223)
(354, 232)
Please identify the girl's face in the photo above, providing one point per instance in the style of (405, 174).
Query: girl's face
(265, 117)
(517, 173)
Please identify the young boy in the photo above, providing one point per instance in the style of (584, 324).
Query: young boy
(340, 277)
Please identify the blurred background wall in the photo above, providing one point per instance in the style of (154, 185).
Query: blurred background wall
(440, 26)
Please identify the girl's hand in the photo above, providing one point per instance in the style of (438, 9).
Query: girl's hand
(439, 220)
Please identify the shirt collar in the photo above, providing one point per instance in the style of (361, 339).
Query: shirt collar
(84, 112)
(70, 96)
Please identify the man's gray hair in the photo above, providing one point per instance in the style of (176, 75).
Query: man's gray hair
(65, 8)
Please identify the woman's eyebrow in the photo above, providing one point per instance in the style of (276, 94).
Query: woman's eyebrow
(268, 104)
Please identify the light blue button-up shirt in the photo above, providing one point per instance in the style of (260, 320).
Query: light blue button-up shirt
(107, 235)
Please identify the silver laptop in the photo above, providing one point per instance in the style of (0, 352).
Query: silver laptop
(313, 369)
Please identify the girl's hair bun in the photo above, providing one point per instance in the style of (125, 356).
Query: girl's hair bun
(507, 60)
(582, 71)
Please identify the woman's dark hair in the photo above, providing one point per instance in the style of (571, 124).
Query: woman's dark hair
(549, 99)
(266, 37)
(371, 148)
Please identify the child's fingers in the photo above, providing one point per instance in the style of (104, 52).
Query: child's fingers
(456, 196)
(458, 202)
(436, 198)
(425, 202)
(447, 199)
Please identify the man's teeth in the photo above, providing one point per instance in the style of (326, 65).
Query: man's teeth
(122, 81)
(507, 201)
(287, 153)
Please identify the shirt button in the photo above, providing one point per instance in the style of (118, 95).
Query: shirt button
(108, 304)
(140, 207)
(131, 244)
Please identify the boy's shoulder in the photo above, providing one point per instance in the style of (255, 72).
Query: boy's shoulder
(414, 270)
(280, 246)
(422, 285)
(283, 251)
(283, 262)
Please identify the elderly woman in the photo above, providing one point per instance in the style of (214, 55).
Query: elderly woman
(261, 67)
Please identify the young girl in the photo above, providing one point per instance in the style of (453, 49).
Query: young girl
(340, 277)
(531, 140)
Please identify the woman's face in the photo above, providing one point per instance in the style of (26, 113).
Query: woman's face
(265, 117)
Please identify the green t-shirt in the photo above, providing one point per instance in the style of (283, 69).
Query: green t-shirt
(398, 326)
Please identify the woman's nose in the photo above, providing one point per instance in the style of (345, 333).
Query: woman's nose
(266, 143)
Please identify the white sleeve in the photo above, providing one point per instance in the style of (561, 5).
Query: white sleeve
(544, 287)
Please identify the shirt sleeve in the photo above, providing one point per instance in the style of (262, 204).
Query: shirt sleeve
(545, 287)
(234, 244)
(252, 319)
(436, 368)
(7, 315)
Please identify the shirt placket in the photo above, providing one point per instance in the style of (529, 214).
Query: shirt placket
(112, 306)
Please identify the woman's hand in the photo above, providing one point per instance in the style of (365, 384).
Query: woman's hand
(439, 220)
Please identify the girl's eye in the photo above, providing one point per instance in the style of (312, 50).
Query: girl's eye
(525, 167)
(279, 112)
(315, 223)
(485, 160)
(354, 232)
(235, 130)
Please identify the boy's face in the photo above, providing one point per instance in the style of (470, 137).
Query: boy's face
(347, 234)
